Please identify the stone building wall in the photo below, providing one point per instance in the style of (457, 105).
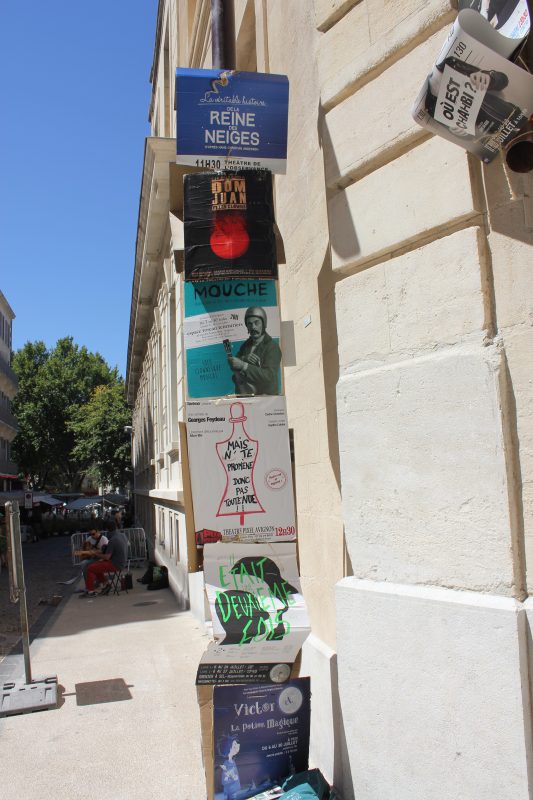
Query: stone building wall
(407, 297)
(433, 407)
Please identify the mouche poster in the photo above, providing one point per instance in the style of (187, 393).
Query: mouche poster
(231, 335)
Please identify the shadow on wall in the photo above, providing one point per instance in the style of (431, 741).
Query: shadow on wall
(330, 358)
(517, 226)
(342, 235)
(145, 480)
(509, 199)
(343, 239)
(342, 775)
(514, 467)
(527, 711)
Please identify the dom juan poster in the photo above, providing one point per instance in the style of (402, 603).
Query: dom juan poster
(259, 616)
(229, 226)
(261, 736)
(240, 469)
(231, 337)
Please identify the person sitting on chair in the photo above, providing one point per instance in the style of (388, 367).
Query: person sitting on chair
(114, 559)
(95, 544)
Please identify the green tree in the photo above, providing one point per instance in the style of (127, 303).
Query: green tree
(102, 443)
(31, 445)
(53, 384)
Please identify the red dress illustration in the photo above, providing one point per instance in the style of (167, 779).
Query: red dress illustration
(238, 454)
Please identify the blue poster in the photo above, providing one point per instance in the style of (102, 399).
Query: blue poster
(231, 120)
(231, 335)
(261, 736)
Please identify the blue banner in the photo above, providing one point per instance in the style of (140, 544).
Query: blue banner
(261, 736)
(231, 120)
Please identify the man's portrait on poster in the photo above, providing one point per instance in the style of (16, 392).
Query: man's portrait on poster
(255, 368)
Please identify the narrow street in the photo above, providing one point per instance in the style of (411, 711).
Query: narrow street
(46, 563)
(125, 668)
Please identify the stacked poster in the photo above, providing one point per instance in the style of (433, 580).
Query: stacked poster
(232, 338)
(260, 736)
(240, 468)
(474, 96)
(229, 226)
(231, 120)
(259, 615)
(509, 17)
(238, 449)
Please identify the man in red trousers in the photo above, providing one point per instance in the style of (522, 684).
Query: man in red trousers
(114, 559)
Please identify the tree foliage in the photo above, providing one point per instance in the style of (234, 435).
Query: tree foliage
(101, 440)
(53, 386)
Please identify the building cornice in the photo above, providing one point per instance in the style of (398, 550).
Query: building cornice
(161, 196)
(155, 58)
(6, 308)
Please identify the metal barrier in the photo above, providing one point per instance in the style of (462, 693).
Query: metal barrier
(137, 550)
(76, 543)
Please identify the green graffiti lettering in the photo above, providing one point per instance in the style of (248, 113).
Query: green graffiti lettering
(245, 638)
(223, 605)
(221, 580)
(280, 591)
(259, 564)
(264, 598)
(234, 601)
(265, 624)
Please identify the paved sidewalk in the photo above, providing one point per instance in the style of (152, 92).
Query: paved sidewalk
(128, 722)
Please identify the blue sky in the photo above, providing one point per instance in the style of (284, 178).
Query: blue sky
(75, 98)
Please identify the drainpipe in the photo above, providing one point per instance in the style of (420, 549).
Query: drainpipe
(223, 34)
(519, 150)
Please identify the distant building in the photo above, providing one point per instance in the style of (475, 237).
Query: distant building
(8, 390)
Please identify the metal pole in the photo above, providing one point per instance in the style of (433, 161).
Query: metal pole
(19, 590)
(223, 34)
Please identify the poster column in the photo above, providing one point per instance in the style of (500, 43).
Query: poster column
(235, 126)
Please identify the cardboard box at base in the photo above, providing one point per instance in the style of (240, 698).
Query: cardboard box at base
(205, 703)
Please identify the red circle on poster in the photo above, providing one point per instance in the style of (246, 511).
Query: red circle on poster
(230, 238)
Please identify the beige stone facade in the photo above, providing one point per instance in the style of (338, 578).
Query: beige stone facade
(8, 390)
(408, 286)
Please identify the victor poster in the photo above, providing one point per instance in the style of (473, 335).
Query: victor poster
(259, 615)
(229, 226)
(232, 338)
(260, 736)
(240, 469)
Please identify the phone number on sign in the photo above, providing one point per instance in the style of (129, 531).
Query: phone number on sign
(290, 530)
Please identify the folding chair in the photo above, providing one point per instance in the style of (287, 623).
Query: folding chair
(115, 579)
